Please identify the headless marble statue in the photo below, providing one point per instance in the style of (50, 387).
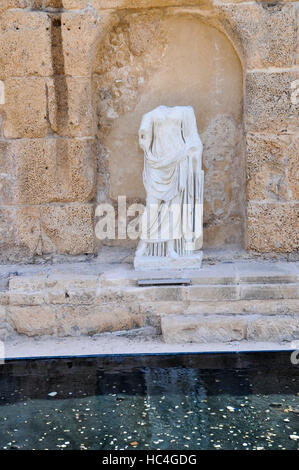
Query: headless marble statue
(171, 225)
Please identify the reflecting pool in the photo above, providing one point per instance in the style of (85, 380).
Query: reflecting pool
(181, 402)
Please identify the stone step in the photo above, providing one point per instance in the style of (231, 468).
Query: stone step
(234, 273)
(228, 328)
(66, 301)
(202, 293)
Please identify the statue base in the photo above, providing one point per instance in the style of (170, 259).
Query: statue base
(165, 263)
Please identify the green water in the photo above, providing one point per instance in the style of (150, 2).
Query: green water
(140, 406)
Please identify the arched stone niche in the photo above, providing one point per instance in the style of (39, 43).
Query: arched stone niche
(154, 57)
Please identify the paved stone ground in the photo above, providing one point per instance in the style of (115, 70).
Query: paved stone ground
(22, 346)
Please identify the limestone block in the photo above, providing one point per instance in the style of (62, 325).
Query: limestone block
(257, 272)
(67, 4)
(201, 329)
(293, 167)
(25, 108)
(74, 320)
(267, 167)
(6, 4)
(29, 230)
(138, 295)
(268, 104)
(210, 293)
(3, 298)
(70, 228)
(273, 329)
(72, 281)
(72, 296)
(25, 44)
(266, 32)
(8, 180)
(155, 308)
(8, 235)
(54, 170)
(42, 170)
(33, 320)
(100, 4)
(264, 307)
(81, 154)
(3, 314)
(2, 92)
(272, 227)
(33, 282)
(265, 292)
(26, 298)
(79, 32)
(70, 106)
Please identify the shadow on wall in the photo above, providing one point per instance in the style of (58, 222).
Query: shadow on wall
(59, 79)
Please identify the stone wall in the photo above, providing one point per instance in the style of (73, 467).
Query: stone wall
(75, 77)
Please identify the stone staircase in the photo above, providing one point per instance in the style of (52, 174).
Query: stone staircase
(225, 302)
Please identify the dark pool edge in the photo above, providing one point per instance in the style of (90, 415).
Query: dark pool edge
(148, 354)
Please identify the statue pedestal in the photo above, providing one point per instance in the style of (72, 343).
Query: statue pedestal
(165, 263)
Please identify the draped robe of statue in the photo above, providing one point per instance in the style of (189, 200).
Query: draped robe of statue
(173, 180)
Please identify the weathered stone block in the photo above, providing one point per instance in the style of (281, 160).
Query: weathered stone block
(3, 314)
(99, 4)
(210, 293)
(20, 233)
(8, 235)
(25, 44)
(70, 106)
(72, 280)
(266, 32)
(155, 308)
(271, 307)
(268, 292)
(74, 320)
(3, 298)
(258, 272)
(67, 4)
(72, 296)
(28, 227)
(6, 4)
(27, 282)
(54, 170)
(26, 298)
(268, 103)
(273, 329)
(272, 227)
(25, 108)
(82, 162)
(8, 180)
(42, 175)
(201, 329)
(33, 320)
(70, 228)
(79, 32)
(268, 157)
(293, 167)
